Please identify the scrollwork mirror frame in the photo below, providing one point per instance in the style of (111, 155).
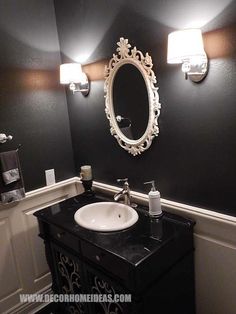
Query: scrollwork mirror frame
(128, 55)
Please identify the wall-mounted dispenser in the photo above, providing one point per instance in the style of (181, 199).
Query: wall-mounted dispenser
(186, 47)
(72, 74)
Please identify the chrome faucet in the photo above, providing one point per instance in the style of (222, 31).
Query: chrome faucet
(124, 193)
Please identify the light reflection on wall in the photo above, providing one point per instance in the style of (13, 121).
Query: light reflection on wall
(220, 43)
(82, 44)
(15, 19)
(18, 80)
(181, 14)
(96, 70)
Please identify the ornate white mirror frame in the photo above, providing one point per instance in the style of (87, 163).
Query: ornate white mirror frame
(127, 55)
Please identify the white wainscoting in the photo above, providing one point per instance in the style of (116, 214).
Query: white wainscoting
(215, 253)
(23, 267)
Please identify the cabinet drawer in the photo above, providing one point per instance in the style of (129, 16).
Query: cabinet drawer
(64, 237)
(109, 262)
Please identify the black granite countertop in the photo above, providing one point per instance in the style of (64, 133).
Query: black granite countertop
(135, 244)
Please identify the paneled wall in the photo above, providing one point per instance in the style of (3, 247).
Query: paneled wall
(193, 159)
(23, 266)
(214, 257)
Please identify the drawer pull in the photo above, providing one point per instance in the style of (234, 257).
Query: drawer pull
(98, 258)
(60, 234)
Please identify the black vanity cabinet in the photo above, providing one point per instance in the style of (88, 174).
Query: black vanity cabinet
(151, 263)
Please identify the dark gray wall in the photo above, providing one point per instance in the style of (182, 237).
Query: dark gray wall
(193, 159)
(32, 103)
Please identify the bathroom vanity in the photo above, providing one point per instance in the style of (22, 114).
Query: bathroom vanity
(152, 261)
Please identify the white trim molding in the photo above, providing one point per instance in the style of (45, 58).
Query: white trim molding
(199, 215)
(31, 308)
(45, 196)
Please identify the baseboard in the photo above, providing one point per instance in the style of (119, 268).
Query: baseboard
(30, 308)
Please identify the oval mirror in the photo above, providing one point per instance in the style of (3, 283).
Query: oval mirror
(130, 104)
(132, 101)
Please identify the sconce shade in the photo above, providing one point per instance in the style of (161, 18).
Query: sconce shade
(184, 45)
(70, 73)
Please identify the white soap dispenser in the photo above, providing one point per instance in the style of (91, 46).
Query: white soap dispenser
(154, 200)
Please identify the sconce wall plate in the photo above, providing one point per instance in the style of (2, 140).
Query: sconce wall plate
(82, 87)
(196, 71)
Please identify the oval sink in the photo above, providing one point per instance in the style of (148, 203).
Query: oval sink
(106, 216)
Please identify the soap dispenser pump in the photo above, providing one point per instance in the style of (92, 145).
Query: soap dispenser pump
(154, 200)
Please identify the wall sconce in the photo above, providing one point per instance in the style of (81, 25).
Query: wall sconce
(186, 47)
(72, 74)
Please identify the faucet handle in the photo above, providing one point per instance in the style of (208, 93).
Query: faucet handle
(125, 181)
(122, 180)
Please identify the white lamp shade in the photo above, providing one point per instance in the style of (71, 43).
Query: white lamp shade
(70, 73)
(185, 44)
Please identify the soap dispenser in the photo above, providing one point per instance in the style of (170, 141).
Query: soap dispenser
(154, 201)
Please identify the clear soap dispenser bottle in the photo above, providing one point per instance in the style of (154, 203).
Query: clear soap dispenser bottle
(154, 200)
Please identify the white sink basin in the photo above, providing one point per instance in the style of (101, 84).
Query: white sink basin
(106, 216)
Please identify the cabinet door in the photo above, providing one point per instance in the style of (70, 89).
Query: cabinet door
(100, 284)
(69, 275)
